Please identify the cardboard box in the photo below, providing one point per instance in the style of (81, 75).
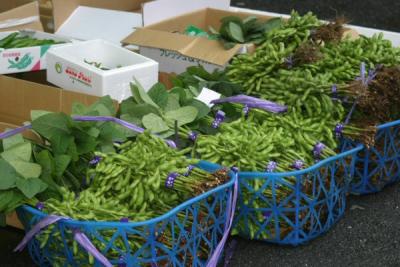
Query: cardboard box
(14, 60)
(68, 69)
(165, 43)
(18, 97)
(97, 19)
(17, 17)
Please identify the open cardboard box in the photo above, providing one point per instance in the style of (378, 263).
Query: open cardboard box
(15, 17)
(165, 42)
(175, 51)
(72, 69)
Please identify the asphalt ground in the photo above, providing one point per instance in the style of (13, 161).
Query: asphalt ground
(368, 234)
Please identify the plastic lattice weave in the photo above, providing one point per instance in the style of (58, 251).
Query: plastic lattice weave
(185, 236)
(377, 166)
(293, 208)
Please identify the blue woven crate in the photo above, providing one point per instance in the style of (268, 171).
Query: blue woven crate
(377, 166)
(297, 217)
(112, 238)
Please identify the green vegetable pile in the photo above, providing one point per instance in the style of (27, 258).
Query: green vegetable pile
(16, 40)
(123, 185)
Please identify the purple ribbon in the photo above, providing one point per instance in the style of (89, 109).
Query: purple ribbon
(96, 160)
(36, 229)
(298, 164)
(15, 131)
(231, 206)
(253, 102)
(126, 124)
(79, 237)
(84, 241)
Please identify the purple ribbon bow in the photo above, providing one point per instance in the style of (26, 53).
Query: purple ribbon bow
(253, 102)
(219, 118)
(79, 237)
(231, 206)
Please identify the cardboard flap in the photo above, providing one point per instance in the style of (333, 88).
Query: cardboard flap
(62, 9)
(196, 47)
(23, 17)
(156, 11)
(98, 23)
(19, 97)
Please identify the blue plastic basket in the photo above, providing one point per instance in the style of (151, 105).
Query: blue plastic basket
(377, 166)
(314, 200)
(190, 244)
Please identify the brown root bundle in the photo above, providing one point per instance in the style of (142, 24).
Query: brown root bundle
(306, 53)
(331, 32)
(219, 178)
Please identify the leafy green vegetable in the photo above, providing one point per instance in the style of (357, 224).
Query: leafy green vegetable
(31, 187)
(234, 30)
(154, 123)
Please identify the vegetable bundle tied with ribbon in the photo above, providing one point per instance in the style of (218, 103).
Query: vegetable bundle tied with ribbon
(121, 185)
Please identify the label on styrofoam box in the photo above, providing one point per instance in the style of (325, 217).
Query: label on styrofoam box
(174, 62)
(206, 96)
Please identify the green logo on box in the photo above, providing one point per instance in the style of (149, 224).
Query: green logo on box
(22, 63)
(58, 67)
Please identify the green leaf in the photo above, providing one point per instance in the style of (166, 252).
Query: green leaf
(84, 142)
(12, 141)
(138, 110)
(31, 187)
(131, 119)
(3, 222)
(104, 102)
(22, 151)
(35, 114)
(236, 32)
(10, 199)
(140, 94)
(8, 176)
(154, 123)
(229, 45)
(166, 134)
(183, 115)
(52, 124)
(159, 94)
(272, 24)
(250, 20)
(229, 19)
(213, 31)
(78, 109)
(172, 103)
(26, 169)
(61, 143)
(202, 109)
(61, 164)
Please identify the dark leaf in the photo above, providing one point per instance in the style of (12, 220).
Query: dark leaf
(158, 93)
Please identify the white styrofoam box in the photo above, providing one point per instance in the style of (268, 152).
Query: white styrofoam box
(15, 60)
(68, 70)
(88, 23)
